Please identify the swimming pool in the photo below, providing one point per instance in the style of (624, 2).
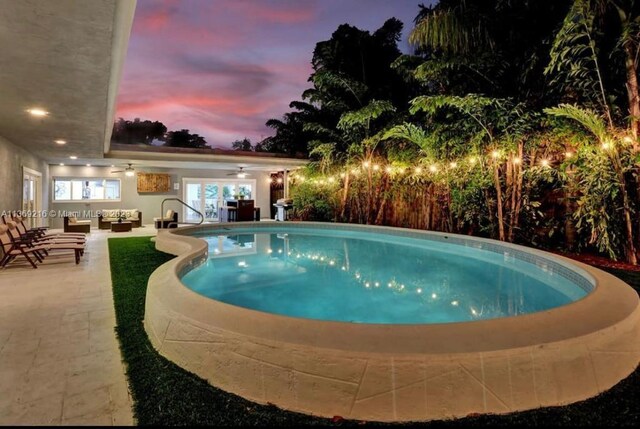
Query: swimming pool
(301, 315)
(364, 277)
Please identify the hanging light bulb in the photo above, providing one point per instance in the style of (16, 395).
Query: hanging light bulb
(495, 154)
(376, 167)
(453, 165)
(568, 155)
(389, 169)
(473, 160)
(418, 170)
(544, 162)
(365, 164)
(343, 175)
(627, 139)
(607, 145)
(433, 168)
(516, 160)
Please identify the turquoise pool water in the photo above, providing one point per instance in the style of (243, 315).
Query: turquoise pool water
(361, 277)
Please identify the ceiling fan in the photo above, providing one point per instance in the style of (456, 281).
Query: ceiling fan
(128, 171)
(239, 173)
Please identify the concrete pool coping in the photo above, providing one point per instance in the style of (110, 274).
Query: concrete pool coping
(394, 372)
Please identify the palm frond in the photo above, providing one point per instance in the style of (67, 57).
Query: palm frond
(588, 118)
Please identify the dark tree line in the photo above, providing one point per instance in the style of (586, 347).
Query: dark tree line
(146, 132)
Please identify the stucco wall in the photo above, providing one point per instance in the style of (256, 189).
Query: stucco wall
(149, 204)
(12, 159)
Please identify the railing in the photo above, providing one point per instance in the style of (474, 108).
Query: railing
(176, 223)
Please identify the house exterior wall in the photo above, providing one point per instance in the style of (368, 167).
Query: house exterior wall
(12, 160)
(148, 203)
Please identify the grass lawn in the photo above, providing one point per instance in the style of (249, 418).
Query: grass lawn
(165, 394)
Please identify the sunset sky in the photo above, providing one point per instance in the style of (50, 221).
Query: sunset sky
(221, 68)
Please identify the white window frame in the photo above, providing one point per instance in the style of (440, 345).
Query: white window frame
(65, 178)
(221, 182)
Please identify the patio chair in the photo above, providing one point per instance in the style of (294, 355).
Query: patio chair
(19, 232)
(72, 225)
(12, 247)
(42, 234)
(170, 220)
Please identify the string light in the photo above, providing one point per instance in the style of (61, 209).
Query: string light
(433, 168)
(627, 139)
(606, 145)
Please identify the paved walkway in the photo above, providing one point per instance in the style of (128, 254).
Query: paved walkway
(59, 357)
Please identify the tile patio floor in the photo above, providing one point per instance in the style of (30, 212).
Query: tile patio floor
(59, 357)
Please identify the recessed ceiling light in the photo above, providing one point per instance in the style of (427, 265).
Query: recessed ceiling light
(88, 165)
(62, 164)
(61, 141)
(73, 157)
(37, 112)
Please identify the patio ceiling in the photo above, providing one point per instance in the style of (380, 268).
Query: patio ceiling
(65, 57)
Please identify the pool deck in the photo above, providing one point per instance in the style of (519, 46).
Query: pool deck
(59, 358)
(397, 372)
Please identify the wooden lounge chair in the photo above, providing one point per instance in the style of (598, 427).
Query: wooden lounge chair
(16, 231)
(33, 252)
(41, 234)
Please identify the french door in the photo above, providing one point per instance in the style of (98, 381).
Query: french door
(208, 195)
(31, 195)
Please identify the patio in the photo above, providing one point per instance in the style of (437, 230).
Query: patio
(59, 357)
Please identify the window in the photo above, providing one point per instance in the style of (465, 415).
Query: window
(94, 189)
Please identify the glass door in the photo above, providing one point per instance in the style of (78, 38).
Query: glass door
(208, 195)
(193, 197)
(31, 197)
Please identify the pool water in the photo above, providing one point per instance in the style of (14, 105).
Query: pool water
(361, 277)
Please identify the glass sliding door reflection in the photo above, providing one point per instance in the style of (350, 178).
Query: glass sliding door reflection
(193, 197)
(211, 201)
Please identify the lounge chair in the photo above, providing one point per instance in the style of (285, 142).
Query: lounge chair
(41, 234)
(14, 247)
(17, 232)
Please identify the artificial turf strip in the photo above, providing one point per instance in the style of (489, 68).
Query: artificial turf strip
(165, 394)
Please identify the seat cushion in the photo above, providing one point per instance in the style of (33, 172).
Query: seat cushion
(130, 214)
(110, 214)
